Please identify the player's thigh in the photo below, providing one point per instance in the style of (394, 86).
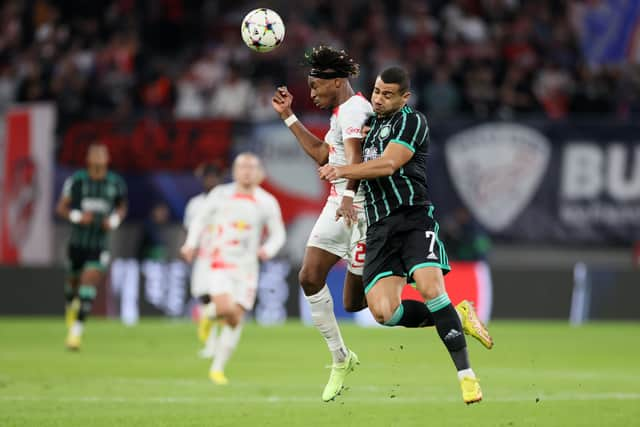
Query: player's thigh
(245, 287)
(383, 257)
(385, 297)
(94, 267)
(76, 258)
(224, 304)
(353, 293)
(316, 265)
(425, 260)
(220, 288)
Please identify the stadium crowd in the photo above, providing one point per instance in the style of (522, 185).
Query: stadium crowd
(185, 58)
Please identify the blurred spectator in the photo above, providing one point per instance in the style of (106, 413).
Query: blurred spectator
(441, 96)
(260, 108)
(516, 94)
(153, 245)
(231, 99)
(7, 87)
(464, 238)
(553, 89)
(487, 58)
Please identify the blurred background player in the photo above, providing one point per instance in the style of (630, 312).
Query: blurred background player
(241, 214)
(207, 329)
(93, 200)
(402, 234)
(332, 240)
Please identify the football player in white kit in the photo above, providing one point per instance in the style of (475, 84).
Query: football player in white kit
(207, 329)
(331, 240)
(240, 213)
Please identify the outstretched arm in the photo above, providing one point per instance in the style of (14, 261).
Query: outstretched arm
(393, 158)
(316, 148)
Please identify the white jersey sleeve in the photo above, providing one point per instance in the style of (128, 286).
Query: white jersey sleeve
(192, 208)
(352, 115)
(203, 214)
(276, 233)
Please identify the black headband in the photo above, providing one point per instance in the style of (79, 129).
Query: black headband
(314, 72)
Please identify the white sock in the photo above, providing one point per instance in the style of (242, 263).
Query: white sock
(325, 321)
(77, 328)
(212, 339)
(208, 310)
(227, 343)
(466, 373)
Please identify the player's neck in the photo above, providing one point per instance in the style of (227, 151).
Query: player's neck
(345, 93)
(245, 189)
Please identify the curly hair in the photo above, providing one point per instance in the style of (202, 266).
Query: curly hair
(325, 58)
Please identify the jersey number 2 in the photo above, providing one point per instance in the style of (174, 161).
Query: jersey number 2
(358, 256)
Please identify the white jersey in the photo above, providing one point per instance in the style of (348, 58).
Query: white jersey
(346, 122)
(238, 223)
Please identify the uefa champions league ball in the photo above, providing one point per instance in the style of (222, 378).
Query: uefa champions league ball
(262, 30)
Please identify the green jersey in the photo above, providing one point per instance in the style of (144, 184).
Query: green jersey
(100, 197)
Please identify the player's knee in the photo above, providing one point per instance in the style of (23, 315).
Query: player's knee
(381, 310)
(429, 284)
(310, 281)
(234, 317)
(231, 320)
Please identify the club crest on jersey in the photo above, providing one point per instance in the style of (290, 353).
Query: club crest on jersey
(384, 132)
(370, 153)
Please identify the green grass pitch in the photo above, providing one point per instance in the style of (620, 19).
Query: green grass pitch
(539, 374)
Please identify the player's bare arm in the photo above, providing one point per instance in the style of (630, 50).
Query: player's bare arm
(315, 148)
(393, 158)
(353, 155)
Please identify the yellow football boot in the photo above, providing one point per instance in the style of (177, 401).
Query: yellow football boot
(471, 392)
(471, 324)
(218, 377)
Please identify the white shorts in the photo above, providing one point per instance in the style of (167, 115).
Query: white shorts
(240, 283)
(200, 278)
(335, 237)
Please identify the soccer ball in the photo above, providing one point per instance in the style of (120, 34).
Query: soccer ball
(262, 30)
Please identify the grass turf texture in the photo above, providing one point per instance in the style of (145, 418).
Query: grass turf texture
(539, 374)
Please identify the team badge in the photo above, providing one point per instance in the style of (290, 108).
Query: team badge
(384, 132)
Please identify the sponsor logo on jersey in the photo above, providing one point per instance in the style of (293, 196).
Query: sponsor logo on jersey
(354, 131)
(241, 225)
(497, 168)
(90, 204)
(370, 153)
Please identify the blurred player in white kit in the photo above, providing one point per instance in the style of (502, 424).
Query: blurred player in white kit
(247, 228)
(207, 327)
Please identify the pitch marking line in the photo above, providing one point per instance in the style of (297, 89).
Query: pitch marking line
(301, 399)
